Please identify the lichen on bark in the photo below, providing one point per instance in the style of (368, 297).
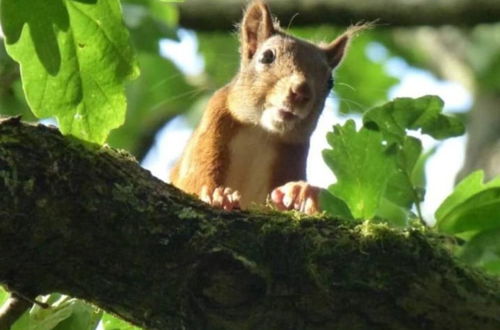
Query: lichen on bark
(88, 221)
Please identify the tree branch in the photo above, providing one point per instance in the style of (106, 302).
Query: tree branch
(223, 14)
(89, 222)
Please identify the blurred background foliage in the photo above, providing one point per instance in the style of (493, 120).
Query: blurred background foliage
(470, 56)
(164, 91)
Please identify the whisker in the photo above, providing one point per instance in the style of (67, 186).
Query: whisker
(194, 92)
(359, 107)
(346, 85)
(291, 21)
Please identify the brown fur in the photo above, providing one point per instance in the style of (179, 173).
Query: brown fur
(205, 159)
(270, 109)
(290, 165)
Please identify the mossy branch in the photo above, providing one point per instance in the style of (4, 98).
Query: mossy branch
(89, 222)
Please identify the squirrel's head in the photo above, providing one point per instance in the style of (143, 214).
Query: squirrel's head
(283, 81)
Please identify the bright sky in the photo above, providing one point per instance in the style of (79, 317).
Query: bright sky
(441, 168)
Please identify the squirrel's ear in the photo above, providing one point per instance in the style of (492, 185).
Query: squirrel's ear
(257, 26)
(336, 49)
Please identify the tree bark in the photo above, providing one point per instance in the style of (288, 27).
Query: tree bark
(89, 222)
(483, 143)
(223, 14)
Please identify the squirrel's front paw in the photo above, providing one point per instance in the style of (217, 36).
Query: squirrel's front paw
(221, 197)
(297, 195)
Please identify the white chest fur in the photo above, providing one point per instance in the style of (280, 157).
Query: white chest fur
(250, 165)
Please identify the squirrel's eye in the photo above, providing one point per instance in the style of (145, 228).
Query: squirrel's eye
(330, 83)
(267, 57)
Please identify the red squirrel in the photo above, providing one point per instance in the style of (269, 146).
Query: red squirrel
(253, 139)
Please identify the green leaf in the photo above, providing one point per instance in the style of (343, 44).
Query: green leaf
(423, 113)
(473, 206)
(74, 58)
(362, 164)
(4, 295)
(401, 190)
(418, 175)
(64, 313)
(110, 322)
(83, 317)
(334, 206)
(392, 213)
(160, 93)
(12, 101)
(483, 250)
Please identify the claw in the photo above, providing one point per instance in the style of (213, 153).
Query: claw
(221, 197)
(297, 195)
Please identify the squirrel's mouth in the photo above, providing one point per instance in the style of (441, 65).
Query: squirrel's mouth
(286, 114)
(280, 119)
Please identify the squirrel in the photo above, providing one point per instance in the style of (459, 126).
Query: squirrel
(253, 138)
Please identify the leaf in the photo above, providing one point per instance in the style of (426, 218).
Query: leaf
(362, 165)
(423, 113)
(64, 313)
(160, 93)
(74, 57)
(392, 213)
(401, 190)
(334, 206)
(83, 317)
(12, 101)
(110, 322)
(418, 175)
(4, 295)
(473, 205)
(483, 250)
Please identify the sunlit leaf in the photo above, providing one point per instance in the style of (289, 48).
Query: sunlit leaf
(64, 313)
(3, 295)
(473, 206)
(401, 190)
(362, 164)
(74, 58)
(110, 322)
(333, 205)
(160, 93)
(423, 113)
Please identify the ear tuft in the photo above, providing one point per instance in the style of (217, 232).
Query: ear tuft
(256, 27)
(336, 49)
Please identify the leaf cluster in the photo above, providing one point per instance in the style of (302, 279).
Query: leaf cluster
(380, 177)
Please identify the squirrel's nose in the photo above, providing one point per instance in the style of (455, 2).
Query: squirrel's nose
(300, 93)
